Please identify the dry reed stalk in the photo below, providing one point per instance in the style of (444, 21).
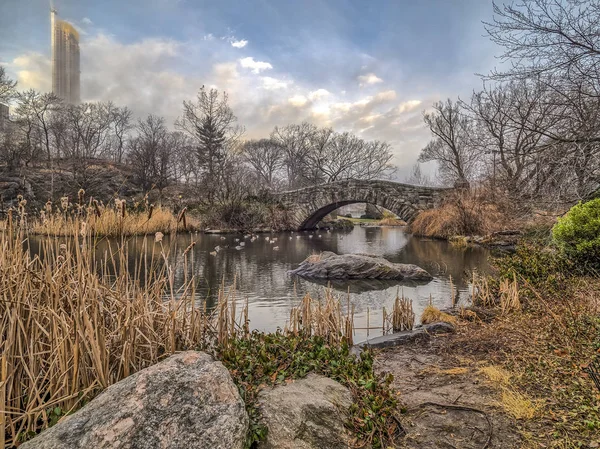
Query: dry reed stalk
(481, 294)
(509, 296)
(72, 323)
(403, 317)
(323, 319)
(452, 293)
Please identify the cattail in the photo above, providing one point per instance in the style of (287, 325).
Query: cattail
(158, 237)
(80, 196)
(64, 203)
(187, 250)
(83, 228)
(150, 210)
(48, 207)
(123, 205)
(97, 208)
(181, 217)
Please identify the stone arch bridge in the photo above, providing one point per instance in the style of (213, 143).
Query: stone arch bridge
(309, 205)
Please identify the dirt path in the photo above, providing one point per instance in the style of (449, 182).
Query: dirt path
(426, 375)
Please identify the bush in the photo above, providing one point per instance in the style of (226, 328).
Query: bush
(577, 234)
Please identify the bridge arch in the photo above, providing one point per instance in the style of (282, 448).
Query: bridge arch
(308, 206)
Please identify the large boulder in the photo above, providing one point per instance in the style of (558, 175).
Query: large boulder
(306, 414)
(328, 265)
(186, 401)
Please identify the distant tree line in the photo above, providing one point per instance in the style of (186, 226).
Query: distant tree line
(204, 150)
(533, 130)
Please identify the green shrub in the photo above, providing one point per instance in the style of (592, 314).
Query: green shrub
(270, 359)
(577, 234)
(535, 263)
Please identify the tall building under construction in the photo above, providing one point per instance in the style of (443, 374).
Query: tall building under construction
(65, 59)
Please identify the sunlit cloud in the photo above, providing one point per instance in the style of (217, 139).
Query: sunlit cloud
(255, 66)
(368, 79)
(239, 44)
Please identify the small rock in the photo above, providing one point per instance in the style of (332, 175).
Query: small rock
(185, 401)
(306, 414)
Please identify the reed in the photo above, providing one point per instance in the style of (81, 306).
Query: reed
(105, 221)
(323, 319)
(403, 317)
(509, 295)
(73, 323)
(481, 292)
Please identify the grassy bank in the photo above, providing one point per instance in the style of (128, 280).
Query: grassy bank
(71, 325)
(546, 332)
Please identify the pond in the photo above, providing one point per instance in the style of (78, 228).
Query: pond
(260, 269)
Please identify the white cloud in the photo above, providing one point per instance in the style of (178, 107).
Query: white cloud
(408, 106)
(318, 94)
(385, 96)
(32, 71)
(87, 21)
(270, 83)
(369, 78)
(239, 44)
(298, 100)
(255, 66)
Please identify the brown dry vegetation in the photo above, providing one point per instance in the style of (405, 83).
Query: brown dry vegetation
(469, 212)
(73, 323)
(96, 219)
(534, 353)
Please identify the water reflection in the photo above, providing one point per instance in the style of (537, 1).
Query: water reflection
(261, 268)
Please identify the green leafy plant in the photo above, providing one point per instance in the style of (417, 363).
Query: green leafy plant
(269, 359)
(577, 234)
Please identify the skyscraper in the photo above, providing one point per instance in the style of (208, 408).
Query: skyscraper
(65, 59)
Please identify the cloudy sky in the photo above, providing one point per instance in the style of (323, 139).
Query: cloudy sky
(368, 66)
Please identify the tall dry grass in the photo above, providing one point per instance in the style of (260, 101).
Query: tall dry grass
(402, 317)
(323, 319)
(462, 213)
(71, 325)
(73, 322)
(90, 217)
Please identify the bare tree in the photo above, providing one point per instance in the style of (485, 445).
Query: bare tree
(417, 177)
(38, 109)
(297, 141)
(555, 38)
(149, 153)
(121, 123)
(267, 159)
(7, 86)
(450, 147)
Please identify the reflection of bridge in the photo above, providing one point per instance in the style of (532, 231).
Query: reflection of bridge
(310, 205)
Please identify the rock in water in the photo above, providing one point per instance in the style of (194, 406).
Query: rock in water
(306, 414)
(328, 265)
(186, 401)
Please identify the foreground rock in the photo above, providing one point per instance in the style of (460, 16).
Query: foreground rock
(306, 414)
(329, 265)
(186, 401)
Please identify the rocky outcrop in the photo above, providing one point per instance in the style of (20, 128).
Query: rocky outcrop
(306, 414)
(186, 401)
(328, 265)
